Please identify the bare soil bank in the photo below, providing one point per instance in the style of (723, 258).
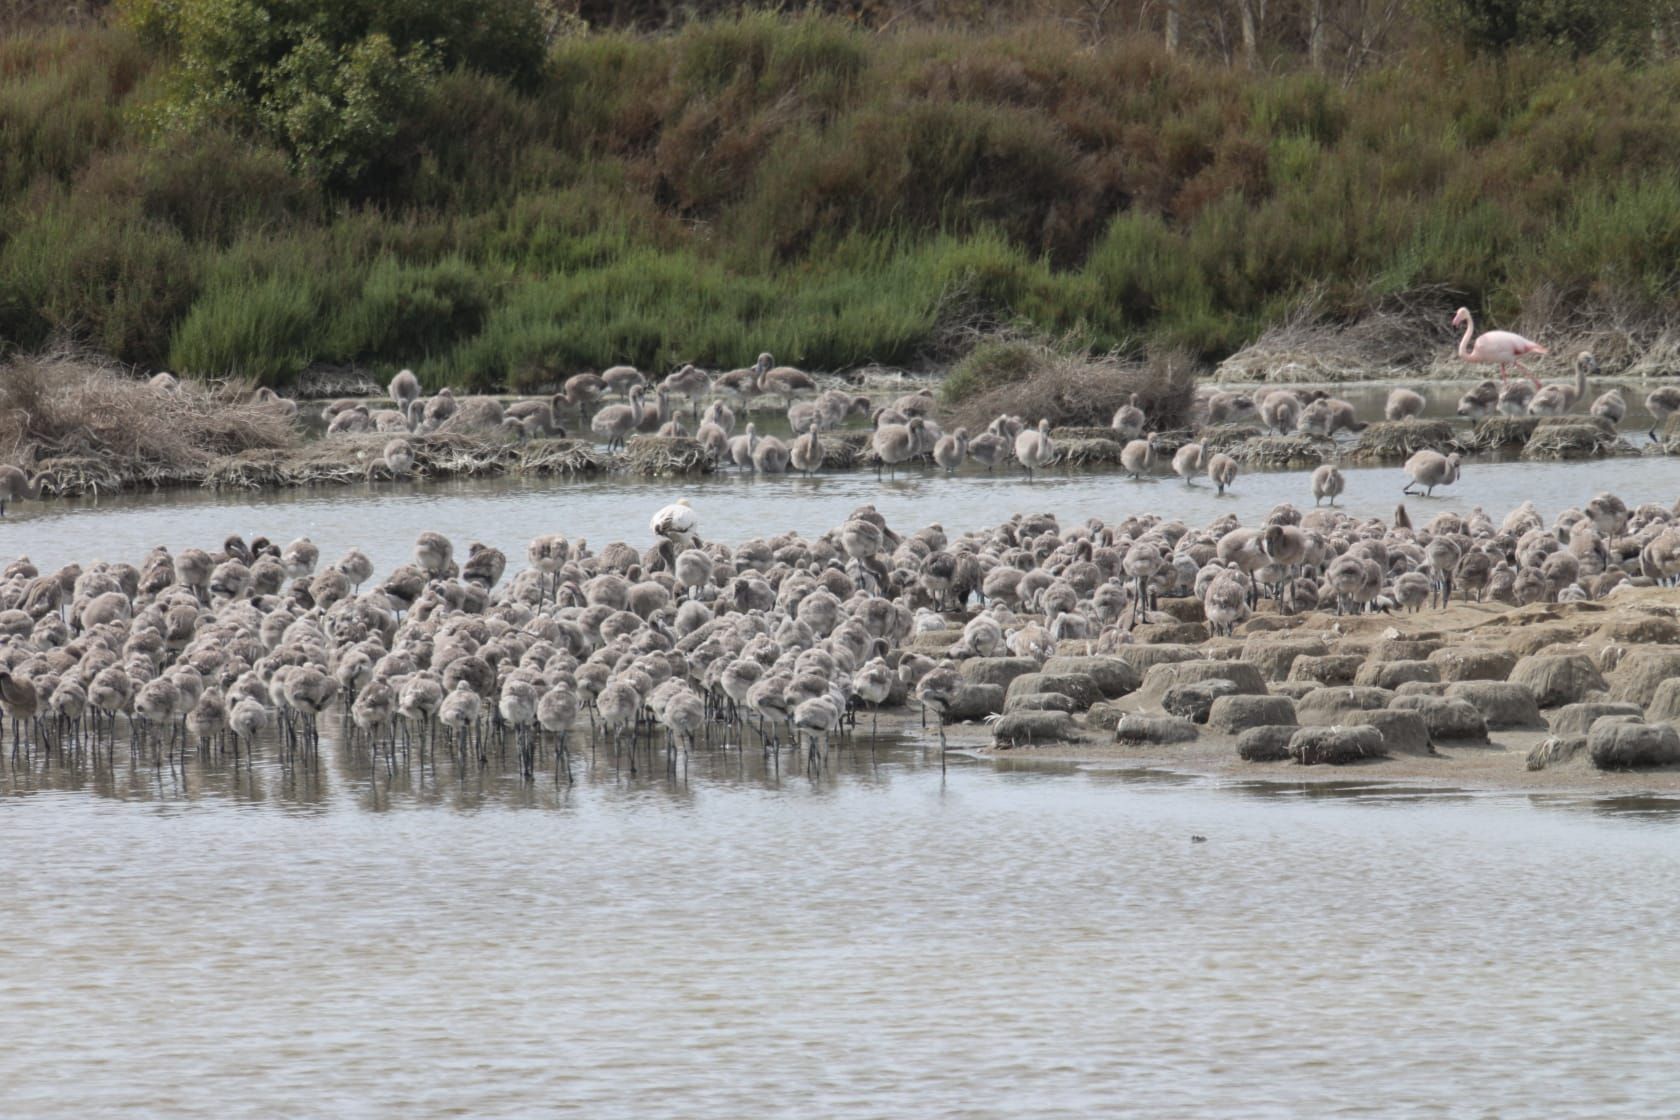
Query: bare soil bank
(1626, 639)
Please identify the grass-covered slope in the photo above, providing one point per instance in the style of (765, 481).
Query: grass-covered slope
(832, 196)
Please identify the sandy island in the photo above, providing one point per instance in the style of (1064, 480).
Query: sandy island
(1615, 651)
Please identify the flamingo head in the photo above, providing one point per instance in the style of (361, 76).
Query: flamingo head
(1461, 316)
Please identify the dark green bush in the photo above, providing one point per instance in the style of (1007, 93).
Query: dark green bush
(330, 81)
(417, 310)
(246, 186)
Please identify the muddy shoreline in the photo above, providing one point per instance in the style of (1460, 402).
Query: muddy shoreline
(1607, 638)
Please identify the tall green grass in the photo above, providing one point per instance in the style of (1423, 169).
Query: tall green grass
(835, 197)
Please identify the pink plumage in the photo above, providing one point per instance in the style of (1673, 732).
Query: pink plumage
(1500, 348)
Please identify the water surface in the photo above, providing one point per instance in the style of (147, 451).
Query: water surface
(878, 940)
(383, 519)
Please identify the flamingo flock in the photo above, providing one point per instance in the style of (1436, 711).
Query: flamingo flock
(906, 431)
(772, 644)
(622, 402)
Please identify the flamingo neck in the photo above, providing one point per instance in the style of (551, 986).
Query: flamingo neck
(1469, 329)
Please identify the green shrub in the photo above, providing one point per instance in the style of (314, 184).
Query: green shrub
(329, 81)
(990, 364)
(261, 328)
(1579, 25)
(115, 281)
(405, 313)
(245, 186)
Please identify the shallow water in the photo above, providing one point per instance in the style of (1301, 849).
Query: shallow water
(383, 519)
(1441, 398)
(879, 940)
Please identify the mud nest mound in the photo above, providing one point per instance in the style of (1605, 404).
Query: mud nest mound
(1229, 437)
(1098, 452)
(1571, 437)
(1398, 440)
(1497, 432)
(845, 450)
(1284, 451)
(1392, 340)
(1073, 432)
(346, 459)
(664, 456)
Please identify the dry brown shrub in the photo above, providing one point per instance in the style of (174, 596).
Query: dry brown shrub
(66, 406)
(1076, 390)
(1403, 336)
(1630, 340)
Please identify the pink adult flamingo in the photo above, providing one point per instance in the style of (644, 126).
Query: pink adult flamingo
(1500, 348)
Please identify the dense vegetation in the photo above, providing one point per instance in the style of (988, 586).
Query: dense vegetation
(400, 182)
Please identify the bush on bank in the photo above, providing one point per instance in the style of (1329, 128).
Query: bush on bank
(785, 184)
